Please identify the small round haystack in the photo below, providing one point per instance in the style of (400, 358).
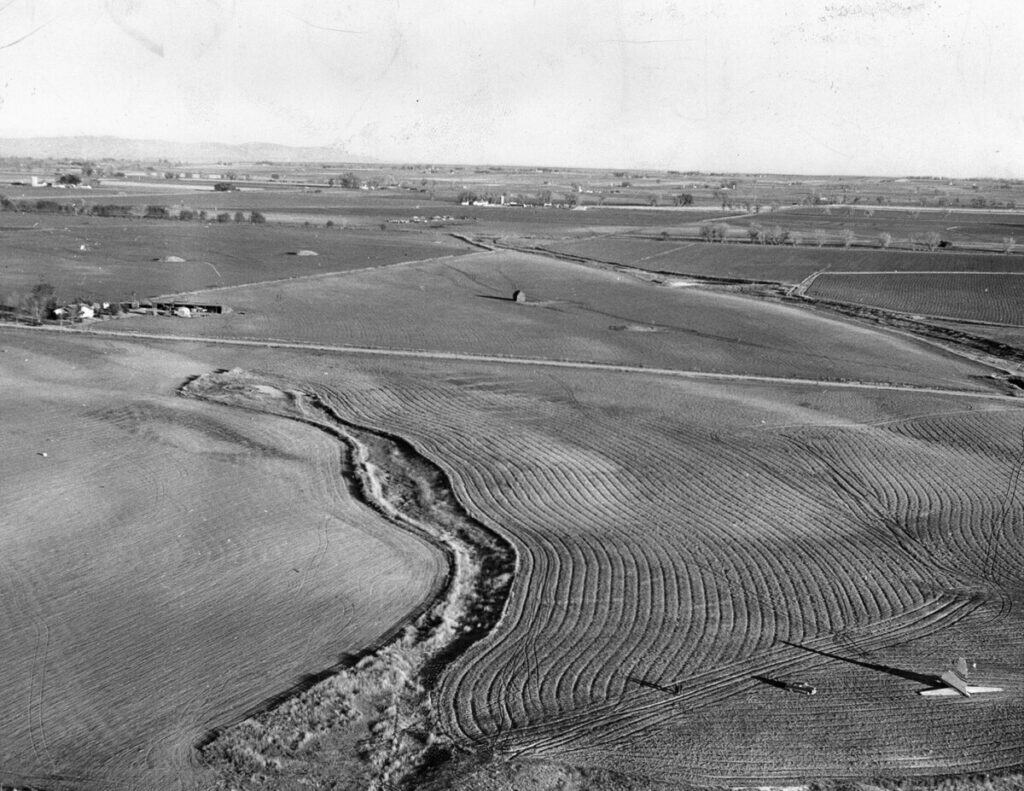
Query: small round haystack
(305, 252)
(519, 295)
(172, 259)
(182, 312)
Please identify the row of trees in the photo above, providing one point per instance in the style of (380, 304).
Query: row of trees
(122, 211)
(34, 306)
(777, 235)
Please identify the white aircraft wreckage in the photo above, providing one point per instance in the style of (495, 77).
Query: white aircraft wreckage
(955, 684)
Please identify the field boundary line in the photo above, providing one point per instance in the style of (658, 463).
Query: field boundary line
(535, 361)
(801, 288)
(813, 299)
(916, 272)
(300, 278)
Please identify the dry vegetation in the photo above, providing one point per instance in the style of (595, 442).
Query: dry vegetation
(312, 737)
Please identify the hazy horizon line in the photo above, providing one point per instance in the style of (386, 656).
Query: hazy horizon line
(369, 159)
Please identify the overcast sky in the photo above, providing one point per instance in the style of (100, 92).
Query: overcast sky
(843, 86)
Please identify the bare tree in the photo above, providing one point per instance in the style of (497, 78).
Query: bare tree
(884, 239)
(932, 240)
(796, 238)
(848, 237)
(820, 236)
(1008, 244)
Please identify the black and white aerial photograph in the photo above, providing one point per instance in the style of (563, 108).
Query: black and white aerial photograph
(535, 395)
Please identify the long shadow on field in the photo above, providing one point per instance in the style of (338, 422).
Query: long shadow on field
(496, 299)
(771, 682)
(910, 675)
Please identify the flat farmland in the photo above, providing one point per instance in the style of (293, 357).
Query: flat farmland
(687, 532)
(573, 313)
(782, 264)
(989, 296)
(166, 565)
(684, 548)
(108, 259)
(956, 226)
(364, 208)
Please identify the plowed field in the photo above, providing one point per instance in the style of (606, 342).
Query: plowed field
(783, 264)
(682, 556)
(684, 547)
(993, 297)
(166, 565)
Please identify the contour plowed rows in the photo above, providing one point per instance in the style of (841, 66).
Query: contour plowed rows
(672, 548)
(979, 296)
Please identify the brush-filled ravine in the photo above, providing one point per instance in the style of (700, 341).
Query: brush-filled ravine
(368, 722)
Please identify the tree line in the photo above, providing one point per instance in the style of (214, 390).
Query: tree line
(777, 235)
(122, 211)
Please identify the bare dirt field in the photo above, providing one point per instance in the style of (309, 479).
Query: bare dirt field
(110, 259)
(167, 565)
(682, 557)
(572, 313)
(981, 296)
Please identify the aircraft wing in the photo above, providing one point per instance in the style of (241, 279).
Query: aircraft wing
(952, 680)
(949, 692)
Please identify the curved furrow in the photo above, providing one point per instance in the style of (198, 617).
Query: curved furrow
(600, 728)
(665, 552)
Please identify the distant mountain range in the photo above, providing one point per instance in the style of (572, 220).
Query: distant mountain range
(149, 150)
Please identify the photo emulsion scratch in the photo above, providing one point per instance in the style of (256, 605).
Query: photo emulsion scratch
(485, 397)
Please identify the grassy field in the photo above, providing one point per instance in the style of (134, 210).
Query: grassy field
(109, 259)
(166, 565)
(991, 297)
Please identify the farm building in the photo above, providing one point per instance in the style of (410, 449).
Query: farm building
(193, 308)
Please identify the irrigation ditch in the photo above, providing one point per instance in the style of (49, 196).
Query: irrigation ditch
(370, 717)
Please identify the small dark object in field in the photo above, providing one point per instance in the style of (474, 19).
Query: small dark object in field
(518, 296)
